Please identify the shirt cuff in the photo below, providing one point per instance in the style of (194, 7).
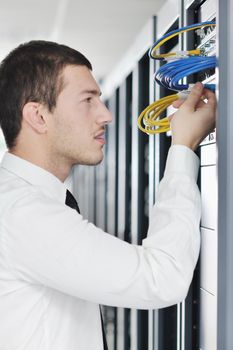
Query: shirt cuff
(182, 160)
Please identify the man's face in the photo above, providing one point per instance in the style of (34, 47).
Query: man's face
(77, 124)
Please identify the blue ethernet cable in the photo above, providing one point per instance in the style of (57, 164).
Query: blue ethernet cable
(170, 35)
(171, 73)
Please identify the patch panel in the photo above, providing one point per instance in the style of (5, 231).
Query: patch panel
(208, 42)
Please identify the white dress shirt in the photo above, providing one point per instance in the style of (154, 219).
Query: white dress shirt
(56, 267)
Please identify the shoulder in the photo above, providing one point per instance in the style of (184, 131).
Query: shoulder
(17, 194)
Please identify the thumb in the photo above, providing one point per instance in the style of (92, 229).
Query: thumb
(194, 96)
(170, 117)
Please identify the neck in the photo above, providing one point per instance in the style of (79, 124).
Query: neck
(58, 168)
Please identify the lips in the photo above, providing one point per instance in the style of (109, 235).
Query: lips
(100, 137)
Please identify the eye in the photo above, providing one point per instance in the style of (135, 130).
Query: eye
(88, 99)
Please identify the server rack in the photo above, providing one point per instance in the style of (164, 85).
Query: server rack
(124, 193)
(110, 313)
(225, 175)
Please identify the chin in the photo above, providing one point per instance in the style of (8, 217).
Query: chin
(97, 161)
(90, 160)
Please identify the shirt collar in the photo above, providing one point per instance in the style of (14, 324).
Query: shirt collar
(35, 175)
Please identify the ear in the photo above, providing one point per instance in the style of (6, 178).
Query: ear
(33, 116)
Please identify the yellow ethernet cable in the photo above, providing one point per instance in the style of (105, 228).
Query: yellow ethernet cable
(149, 121)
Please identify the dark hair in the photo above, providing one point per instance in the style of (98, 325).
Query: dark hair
(32, 72)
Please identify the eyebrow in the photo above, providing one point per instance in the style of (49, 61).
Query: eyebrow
(92, 92)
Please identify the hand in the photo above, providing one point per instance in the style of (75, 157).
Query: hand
(195, 118)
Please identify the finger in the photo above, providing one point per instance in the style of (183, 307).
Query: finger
(178, 103)
(200, 104)
(170, 117)
(210, 96)
(194, 96)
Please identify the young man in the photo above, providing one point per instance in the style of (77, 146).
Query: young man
(55, 267)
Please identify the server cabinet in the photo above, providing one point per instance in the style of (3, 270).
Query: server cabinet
(225, 175)
(139, 219)
(124, 194)
(207, 296)
(110, 313)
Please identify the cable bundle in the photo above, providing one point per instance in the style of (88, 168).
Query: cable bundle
(169, 75)
(172, 34)
(148, 120)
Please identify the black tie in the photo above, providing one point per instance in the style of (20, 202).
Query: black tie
(71, 202)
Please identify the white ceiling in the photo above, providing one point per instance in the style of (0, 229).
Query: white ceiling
(101, 29)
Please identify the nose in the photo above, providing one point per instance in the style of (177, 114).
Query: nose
(104, 115)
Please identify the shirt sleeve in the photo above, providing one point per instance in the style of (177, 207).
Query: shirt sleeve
(51, 244)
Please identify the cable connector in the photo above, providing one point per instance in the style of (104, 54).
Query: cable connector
(177, 55)
(183, 94)
(201, 33)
